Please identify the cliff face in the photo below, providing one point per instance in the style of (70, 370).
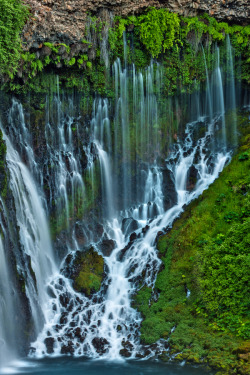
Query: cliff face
(65, 20)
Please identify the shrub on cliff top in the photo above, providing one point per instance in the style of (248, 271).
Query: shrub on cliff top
(13, 14)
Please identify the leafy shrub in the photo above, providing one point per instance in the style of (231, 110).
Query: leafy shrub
(13, 14)
(158, 29)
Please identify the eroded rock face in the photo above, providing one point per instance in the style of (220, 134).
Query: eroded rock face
(65, 21)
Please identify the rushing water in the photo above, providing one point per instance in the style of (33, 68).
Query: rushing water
(143, 182)
(102, 325)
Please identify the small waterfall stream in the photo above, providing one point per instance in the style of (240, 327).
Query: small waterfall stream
(6, 308)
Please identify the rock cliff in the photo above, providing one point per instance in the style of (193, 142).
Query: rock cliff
(65, 20)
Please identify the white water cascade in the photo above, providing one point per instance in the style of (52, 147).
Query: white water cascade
(6, 308)
(33, 231)
(106, 323)
(127, 152)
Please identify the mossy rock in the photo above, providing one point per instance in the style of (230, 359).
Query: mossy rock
(86, 269)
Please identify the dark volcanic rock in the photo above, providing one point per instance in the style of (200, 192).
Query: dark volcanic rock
(127, 349)
(129, 225)
(49, 342)
(100, 344)
(68, 349)
(168, 187)
(107, 246)
(192, 177)
(133, 237)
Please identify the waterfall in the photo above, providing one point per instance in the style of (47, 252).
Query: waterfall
(6, 308)
(230, 91)
(122, 176)
(33, 231)
(108, 317)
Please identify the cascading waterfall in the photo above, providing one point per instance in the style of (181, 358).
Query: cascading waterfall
(66, 183)
(33, 231)
(109, 315)
(144, 179)
(6, 307)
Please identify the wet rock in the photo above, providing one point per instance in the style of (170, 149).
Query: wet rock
(129, 225)
(50, 292)
(49, 342)
(168, 187)
(122, 253)
(145, 229)
(145, 351)
(80, 234)
(127, 349)
(133, 237)
(78, 334)
(64, 299)
(100, 344)
(192, 177)
(68, 349)
(107, 246)
(63, 318)
(83, 159)
(125, 353)
(98, 231)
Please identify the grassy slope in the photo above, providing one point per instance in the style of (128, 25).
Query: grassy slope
(206, 252)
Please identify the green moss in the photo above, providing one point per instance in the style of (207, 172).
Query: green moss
(206, 251)
(89, 276)
(13, 14)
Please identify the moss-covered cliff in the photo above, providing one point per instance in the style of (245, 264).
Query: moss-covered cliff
(203, 290)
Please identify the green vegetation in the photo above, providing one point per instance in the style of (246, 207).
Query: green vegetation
(13, 14)
(174, 40)
(158, 29)
(177, 42)
(89, 275)
(206, 252)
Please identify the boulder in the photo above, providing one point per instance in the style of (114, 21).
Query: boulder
(107, 246)
(49, 342)
(86, 269)
(129, 225)
(100, 344)
(168, 188)
(192, 177)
